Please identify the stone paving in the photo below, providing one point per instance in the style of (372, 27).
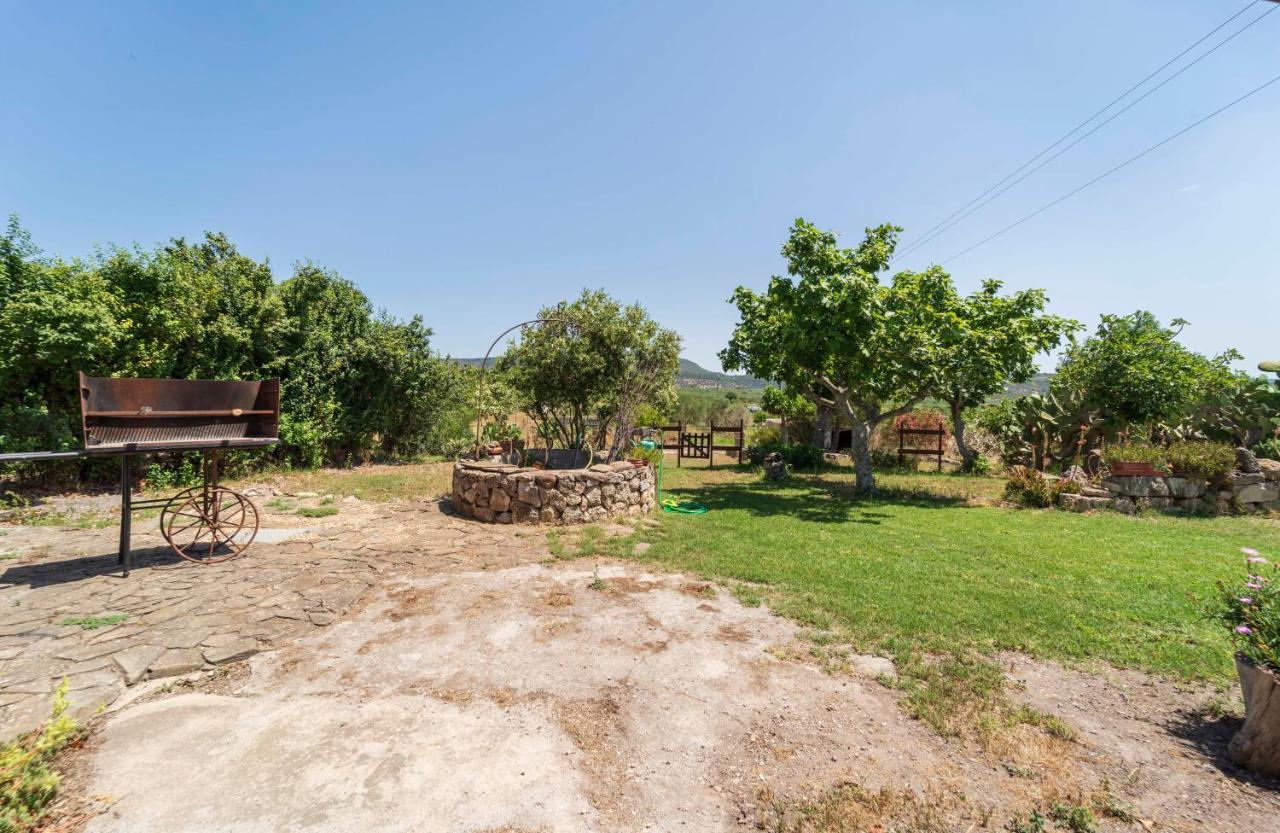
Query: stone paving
(176, 618)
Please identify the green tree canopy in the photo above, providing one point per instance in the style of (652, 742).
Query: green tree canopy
(582, 373)
(1134, 372)
(996, 343)
(833, 331)
(355, 382)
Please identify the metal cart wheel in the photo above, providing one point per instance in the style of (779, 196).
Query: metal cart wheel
(209, 525)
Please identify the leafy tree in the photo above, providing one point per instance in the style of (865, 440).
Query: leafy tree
(834, 332)
(1134, 372)
(997, 340)
(588, 366)
(355, 383)
(789, 407)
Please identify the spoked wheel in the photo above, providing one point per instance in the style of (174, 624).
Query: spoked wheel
(208, 526)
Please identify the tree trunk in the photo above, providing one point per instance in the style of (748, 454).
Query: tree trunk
(783, 433)
(860, 448)
(822, 428)
(967, 454)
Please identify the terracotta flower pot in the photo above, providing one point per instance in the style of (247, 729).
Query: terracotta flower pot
(638, 463)
(1134, 469)
(1257, 745)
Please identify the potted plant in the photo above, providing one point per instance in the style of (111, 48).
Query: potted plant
(505, 434)
(1135, 461)
(644, 453)
(1251, 609)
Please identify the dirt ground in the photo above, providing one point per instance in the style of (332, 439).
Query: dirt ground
(480, 685)
(555, 697)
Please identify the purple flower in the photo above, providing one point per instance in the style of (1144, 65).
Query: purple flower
(1256, 560)
(1248, 551)
(1245, 629)
(1253, 585)
(1245, 600)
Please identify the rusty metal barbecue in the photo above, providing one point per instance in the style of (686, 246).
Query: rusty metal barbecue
(126, 418)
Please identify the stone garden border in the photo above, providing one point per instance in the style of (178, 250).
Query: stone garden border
(1254, 492)
(501, 493)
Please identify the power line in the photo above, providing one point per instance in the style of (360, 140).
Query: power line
(938, 228)
(1108, 173)
(1095, 129)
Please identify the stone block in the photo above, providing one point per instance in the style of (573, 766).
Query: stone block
(527, 492)
(499, 500)
(134, 662)
(238, 650)
(1083, 503)
(177, 661)
(1240, 479)
(484, 513)
(1183, 487)
(1259, 493)
(546, 480)
(1125, 505)
(1270, 469)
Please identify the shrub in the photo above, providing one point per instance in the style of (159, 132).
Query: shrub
(979, 465)
(1206, 461)
(1153, 456)
(766, 435)
(797, 456)
(804, 456)
(1028, 487)
(923, 418)
(1268, 449)
(27, 781)
(1251, 609)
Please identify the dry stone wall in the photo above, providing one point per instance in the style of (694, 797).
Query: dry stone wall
(504, 494)
(1244, 492)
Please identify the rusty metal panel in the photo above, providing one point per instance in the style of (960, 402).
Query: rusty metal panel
(120, 411)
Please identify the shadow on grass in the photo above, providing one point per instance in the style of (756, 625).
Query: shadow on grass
(813, 499)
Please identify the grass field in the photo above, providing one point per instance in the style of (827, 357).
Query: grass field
(933, 561)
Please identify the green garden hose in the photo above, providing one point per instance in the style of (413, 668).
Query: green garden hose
(675, 507)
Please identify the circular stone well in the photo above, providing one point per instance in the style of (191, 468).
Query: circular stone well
(504, 494)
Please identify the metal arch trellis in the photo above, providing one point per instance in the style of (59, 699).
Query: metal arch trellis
(485, 362)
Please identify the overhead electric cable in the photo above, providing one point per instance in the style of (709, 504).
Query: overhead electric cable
(961, 213)
(1108, 173)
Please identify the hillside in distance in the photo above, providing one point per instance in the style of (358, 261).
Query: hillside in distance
(690, 375)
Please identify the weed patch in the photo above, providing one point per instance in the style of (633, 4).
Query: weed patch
(28, 781)
(92, 623)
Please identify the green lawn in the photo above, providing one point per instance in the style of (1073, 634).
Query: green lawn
(933, 561)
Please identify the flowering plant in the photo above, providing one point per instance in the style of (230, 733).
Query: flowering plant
(1252, 610)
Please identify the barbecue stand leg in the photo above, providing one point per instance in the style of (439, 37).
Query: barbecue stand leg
(126, 512)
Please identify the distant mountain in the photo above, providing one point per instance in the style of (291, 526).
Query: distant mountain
(1038, 383)
(694, 375)
(691, 375)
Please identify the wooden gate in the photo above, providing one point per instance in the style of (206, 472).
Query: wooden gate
(699, 445)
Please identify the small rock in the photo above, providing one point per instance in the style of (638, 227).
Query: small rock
(641, 548)
(240, 649)
(177, 661)
(306, 494)
(134, 662)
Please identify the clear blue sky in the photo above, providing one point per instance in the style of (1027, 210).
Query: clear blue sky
(471, 162)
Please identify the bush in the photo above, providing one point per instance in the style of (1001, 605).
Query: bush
(1032, 489)
(980, 465)
(797, 456)
(1206, 461)
(1268, 449)
(1153, 456)
(766, 435)
(27, 781)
